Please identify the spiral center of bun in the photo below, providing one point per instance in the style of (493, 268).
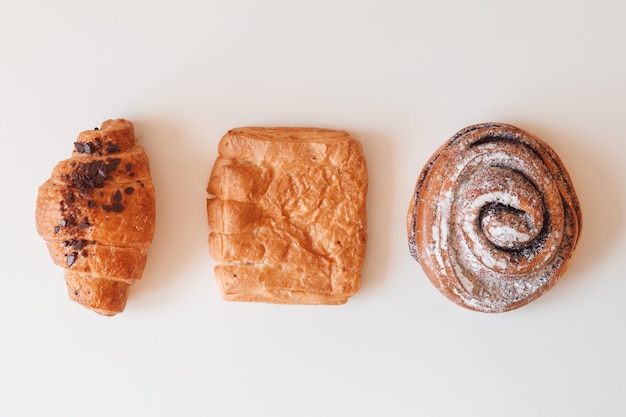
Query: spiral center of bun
(506, 227)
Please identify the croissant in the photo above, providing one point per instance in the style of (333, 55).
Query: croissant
(494, 218)
(287, 217)
(97, 216)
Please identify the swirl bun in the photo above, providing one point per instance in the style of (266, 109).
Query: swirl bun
(494, 218)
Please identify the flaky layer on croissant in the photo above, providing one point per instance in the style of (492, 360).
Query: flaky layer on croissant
(97, 216)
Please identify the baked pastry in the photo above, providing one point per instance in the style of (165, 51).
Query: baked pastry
(97, 216)
(494, 218)
(287, 215)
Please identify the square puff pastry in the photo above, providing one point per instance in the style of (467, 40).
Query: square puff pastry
(287, 215)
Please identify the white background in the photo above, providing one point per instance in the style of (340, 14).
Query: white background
(402, 76)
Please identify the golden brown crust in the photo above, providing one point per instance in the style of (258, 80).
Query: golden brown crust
(102, 295)
(494, 219)
(97, 215)
(288, 217)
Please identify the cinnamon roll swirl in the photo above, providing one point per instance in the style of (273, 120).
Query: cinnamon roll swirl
(494, 219)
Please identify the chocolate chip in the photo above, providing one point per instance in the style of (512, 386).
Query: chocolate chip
(129, 166)
(106, 208)
(75, 292)
(91, 204)
(70, 259)
(56, 229)
(70, 198)
(95, 128)
(92, 170)
(78, 245)
(83, 225)
(84, 253)
(117, 197)
(63, 222)
(88, 148)
(129, 190)
(112, 164)
(79, 147)
(117, 207)
(112, 147)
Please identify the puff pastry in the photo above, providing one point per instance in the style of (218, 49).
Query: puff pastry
(494, 218)
(97, 216)
(287, 214)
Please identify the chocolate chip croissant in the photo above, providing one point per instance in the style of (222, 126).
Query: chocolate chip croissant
(97, 216)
